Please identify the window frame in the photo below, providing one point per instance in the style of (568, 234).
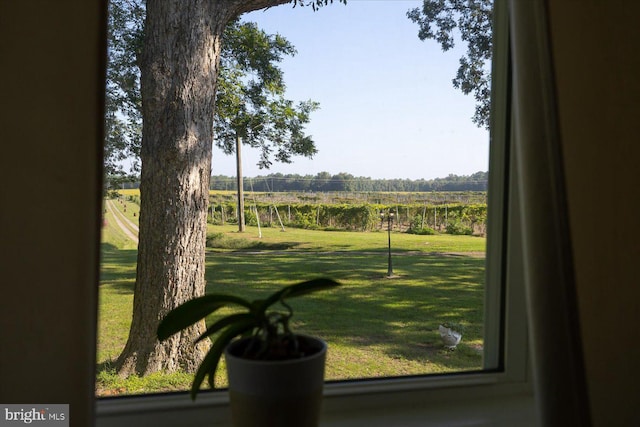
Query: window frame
(501, 394)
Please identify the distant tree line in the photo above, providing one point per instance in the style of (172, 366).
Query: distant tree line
(326, 182)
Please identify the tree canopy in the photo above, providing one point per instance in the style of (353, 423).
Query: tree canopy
(472, 21)
(250, 101)
(250, 98)
(123, 107)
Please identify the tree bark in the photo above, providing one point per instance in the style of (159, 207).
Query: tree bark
(178, 72)
(179, 69)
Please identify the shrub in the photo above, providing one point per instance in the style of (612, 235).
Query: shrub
(250, 218)
(305, 220)
(223, 241)
(415, 227)
(215, 240)
(457, 227)
(424, 231)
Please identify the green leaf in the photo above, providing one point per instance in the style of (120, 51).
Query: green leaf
(210, 363)
(226, 321)
(310, 286)
(299, 289)
(192, 311)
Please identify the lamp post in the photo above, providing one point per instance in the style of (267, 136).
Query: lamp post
(389, 217)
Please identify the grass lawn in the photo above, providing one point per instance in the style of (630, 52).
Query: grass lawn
(375, 326)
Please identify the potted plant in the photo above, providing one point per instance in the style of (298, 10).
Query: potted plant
(275, 376)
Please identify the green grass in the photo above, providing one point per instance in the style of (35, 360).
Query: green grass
(375, 326)
(117, 277)
(318, 240)
(110, 384)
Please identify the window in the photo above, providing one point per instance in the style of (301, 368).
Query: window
(406, 400)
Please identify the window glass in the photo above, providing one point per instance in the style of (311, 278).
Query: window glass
(393, 205)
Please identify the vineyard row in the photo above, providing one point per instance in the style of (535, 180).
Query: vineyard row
(420, 219)
(445, 213)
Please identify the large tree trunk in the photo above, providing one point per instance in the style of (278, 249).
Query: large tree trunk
(178, 74)
(179, 68)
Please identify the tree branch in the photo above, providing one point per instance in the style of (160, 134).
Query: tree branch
(239, 7)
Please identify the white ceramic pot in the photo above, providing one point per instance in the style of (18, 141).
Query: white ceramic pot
(286, 393)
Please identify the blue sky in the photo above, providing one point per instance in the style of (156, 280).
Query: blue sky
(387, 105)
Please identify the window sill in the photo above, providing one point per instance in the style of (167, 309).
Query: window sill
(482, 399)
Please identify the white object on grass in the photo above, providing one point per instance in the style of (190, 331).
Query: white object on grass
(450, 338)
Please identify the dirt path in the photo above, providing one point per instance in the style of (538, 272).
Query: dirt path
(121, 220)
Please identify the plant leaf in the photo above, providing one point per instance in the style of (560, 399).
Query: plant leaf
(310, 286)
(209, 364)
(297, 290)
(192, 311)
(226, 321)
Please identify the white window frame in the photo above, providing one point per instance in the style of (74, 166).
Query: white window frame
(500, 395)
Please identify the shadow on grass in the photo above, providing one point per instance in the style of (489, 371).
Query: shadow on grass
(118, 267)
(106, 366)
(398, 317)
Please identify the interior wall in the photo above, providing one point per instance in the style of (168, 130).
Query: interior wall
(50, 121)
(49, 210)
(595, 48)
